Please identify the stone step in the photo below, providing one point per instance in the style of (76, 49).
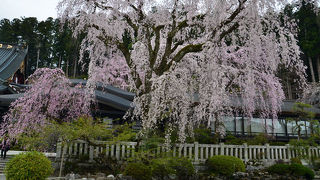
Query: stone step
(3, 163)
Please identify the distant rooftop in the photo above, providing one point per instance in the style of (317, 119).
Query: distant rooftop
(11, 57)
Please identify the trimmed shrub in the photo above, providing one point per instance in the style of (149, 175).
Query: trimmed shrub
(230, 139)
(225, 165)
(300, 170)
(29, 165)
(160, 168)
(138, 171)
(292, 170)
(281, 169)
(204, 135)
(181, 167)
(260, 139)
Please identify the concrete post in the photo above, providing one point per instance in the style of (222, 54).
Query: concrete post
(289, 151)
(196, 152)
(118, 151)
(91, 151)
(245, 148)
(222, 148)
(58, 150)
(268, 151)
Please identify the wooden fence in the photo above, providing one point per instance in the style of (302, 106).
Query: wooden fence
(199, 153)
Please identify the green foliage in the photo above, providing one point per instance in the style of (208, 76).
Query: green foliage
(74, 165)
(203, 135)
(160, 168)
(101, 164)
(295, 161)
(29, 165)
(300, 170)
(123, 132)
(291, 170)
(315, 162)
(281, 169)
(300, 146)
(309, 34)
(225, 165)
(138, 171)
(260, 139)
(163, 167)
(153, 142)
(84, 128)
(55, 42)
(107, 164)
(230, 139)
(299, 108)
(302, 115)
(300, 143)
(183, 167)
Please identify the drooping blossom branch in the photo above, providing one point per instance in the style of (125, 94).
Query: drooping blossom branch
(50, 98)
(191, 61)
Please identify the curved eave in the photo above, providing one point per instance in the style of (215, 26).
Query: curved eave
(112, 101)
(107, 88)
(10, 61)
(107, 99)
(7, 99)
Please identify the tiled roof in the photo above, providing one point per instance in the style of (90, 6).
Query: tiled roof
(10, 59)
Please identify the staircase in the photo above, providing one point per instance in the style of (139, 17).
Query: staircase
(3, 163)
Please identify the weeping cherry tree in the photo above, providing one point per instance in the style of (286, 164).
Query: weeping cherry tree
(190, 62)
(51, 98)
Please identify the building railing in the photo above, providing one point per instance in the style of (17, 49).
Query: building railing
(198, 153)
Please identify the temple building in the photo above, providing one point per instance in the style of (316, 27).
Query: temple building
(112, 102)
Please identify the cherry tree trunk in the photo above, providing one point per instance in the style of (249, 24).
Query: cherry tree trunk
(75, 68)
(311, 69)
(289, 90)
(67, 68)
(318, 67)
(59, 64)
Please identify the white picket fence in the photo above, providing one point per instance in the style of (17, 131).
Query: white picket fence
(199, 153)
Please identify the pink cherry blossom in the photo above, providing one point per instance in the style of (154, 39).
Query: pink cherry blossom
(189, 62)
(50, 98)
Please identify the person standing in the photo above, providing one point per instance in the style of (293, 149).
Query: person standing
(4, 148)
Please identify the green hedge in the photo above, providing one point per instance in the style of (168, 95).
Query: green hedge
(29, 165)
(300, 170)
(138, 171)
(160, 168)
(163, 167)
(291, 170)
(225, 165)
(183, 168)
(280, 169)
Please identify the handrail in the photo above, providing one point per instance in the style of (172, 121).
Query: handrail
(198, 153)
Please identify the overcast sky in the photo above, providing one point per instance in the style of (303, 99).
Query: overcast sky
(42, 9)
